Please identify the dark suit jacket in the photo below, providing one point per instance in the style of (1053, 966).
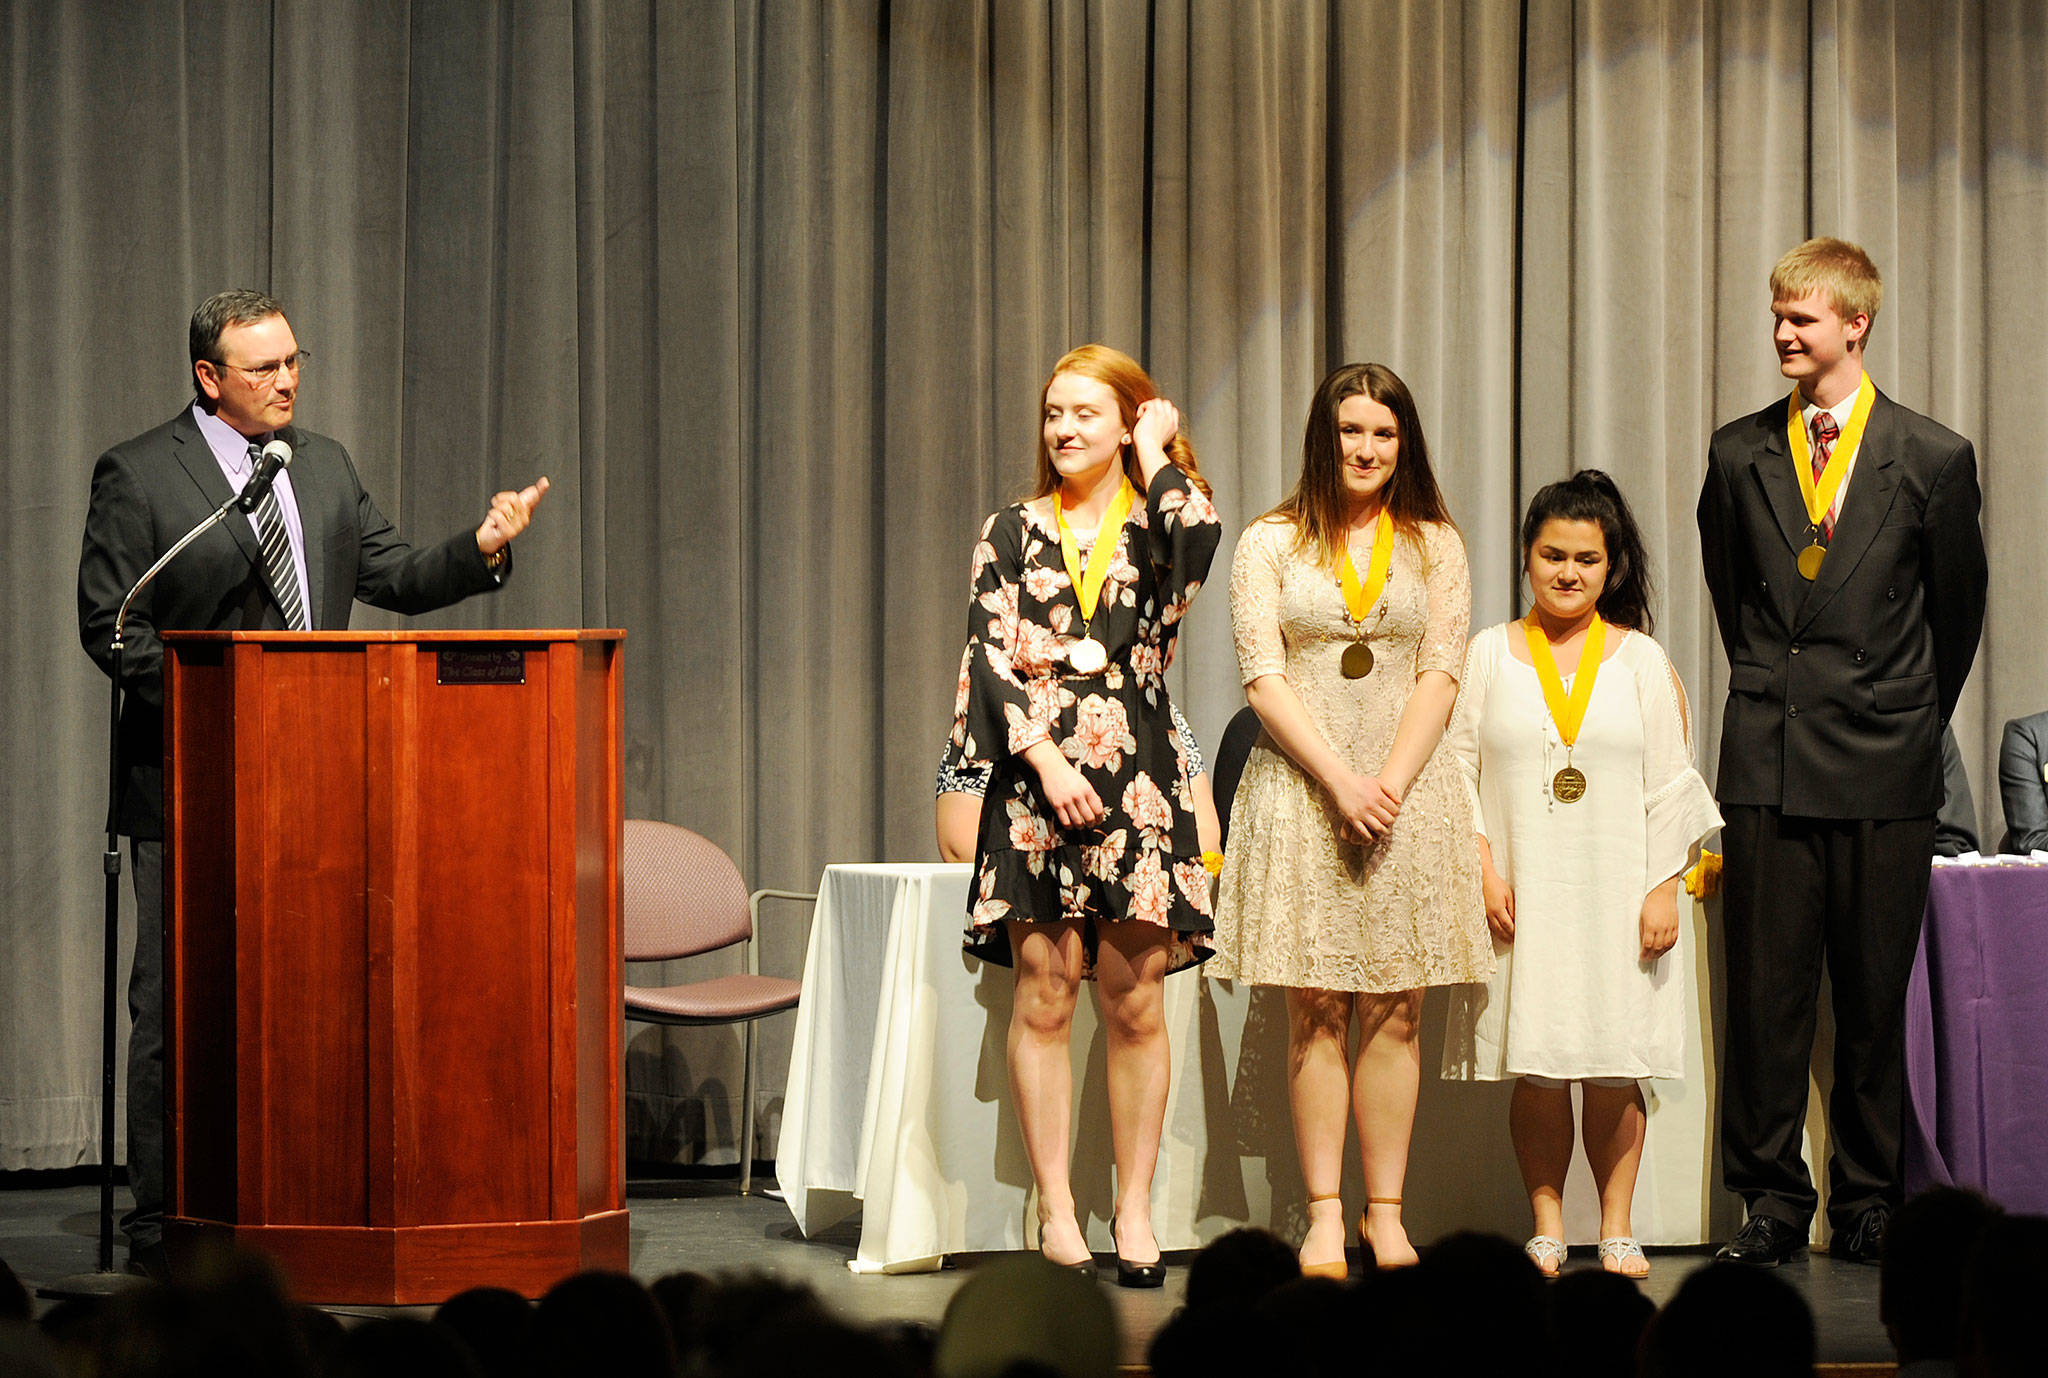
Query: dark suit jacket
(1838, 689)
(2022, 789)
(149, 491)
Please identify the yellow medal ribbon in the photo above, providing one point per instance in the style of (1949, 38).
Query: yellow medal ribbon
(1820, 497)
(1567, 713)
(1088, 586)
(1360, 599)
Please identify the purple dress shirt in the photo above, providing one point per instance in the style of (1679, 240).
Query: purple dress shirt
(231, 451)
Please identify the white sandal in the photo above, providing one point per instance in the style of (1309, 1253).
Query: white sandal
(1625, 1251)
(1547, 1253)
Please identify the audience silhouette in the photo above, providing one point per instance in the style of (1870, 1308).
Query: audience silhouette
(1959, 1295)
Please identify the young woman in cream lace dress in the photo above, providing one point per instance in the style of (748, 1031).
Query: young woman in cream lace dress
(1350, 877)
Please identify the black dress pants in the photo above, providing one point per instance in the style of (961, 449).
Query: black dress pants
(1796, 891)
(145, 1224)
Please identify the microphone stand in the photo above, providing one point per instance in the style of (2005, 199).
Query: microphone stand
(98, 1284)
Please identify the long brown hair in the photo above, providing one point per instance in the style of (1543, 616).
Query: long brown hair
(1316, 506)
(1133, 388)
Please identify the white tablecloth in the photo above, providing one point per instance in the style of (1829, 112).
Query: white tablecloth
(897, 1104)
(898, 1094)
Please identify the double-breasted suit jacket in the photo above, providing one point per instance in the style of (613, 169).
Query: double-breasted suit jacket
(149, 491)
(1838, 688)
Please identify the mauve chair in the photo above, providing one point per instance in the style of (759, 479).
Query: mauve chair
(684, 897)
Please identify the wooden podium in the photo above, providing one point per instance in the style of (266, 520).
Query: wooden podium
(392, 956)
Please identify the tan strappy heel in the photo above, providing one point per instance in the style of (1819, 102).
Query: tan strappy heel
(1339, 1270)
(1366, 1243)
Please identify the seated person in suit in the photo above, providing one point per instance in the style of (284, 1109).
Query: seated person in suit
(1955, 827)
(2023, 784)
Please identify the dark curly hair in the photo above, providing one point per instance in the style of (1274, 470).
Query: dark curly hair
(1591, 496)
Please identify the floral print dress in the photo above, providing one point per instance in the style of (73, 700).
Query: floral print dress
(1142, 862)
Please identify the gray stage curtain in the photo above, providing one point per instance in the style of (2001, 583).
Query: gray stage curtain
(769, 289)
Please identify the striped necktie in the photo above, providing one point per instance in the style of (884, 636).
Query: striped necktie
(277, 556)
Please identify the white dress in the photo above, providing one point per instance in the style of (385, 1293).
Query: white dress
(1571, 997)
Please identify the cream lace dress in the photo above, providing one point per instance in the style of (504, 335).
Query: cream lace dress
(1299, 905)
(1572, 998)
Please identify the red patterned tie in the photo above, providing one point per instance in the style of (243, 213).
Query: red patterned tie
(1824, 432)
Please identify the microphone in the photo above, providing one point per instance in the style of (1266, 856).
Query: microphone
(277, 457)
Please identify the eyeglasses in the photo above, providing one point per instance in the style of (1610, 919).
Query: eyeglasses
(264, 374)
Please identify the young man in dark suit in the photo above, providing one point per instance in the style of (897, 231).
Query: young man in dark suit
(1839, 532)
(298, 562)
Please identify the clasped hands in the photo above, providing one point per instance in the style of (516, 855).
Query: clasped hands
(510, 512)
(1366, 806)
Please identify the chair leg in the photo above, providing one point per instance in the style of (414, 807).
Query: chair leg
(747, 1114)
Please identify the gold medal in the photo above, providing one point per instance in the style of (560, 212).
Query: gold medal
(1088, 657)
(1568, 711)
(1818, 493)
(1361, 598)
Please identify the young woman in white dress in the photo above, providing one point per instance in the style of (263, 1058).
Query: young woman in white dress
(1350, 879)
(1572, 732)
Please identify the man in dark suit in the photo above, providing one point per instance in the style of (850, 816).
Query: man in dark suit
(1840, 536)
(298, 562)
(2023, 784)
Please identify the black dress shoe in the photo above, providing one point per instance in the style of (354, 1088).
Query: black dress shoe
(1086, 1266)
(1762, 1242)
(149, 1261)
(1129, 1274)
(1864, 1241)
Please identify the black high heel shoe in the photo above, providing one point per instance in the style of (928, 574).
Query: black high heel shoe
(1129, 1274)
(1085, 1267)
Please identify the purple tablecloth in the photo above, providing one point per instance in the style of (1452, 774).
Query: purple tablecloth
(1977, 1036)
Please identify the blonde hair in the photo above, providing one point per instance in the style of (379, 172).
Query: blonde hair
(1834, 266)
(1133, 388)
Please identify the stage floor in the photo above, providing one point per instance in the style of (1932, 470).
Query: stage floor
(49, 1232)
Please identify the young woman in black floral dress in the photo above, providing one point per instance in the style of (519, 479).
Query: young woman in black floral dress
(1088, 863)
